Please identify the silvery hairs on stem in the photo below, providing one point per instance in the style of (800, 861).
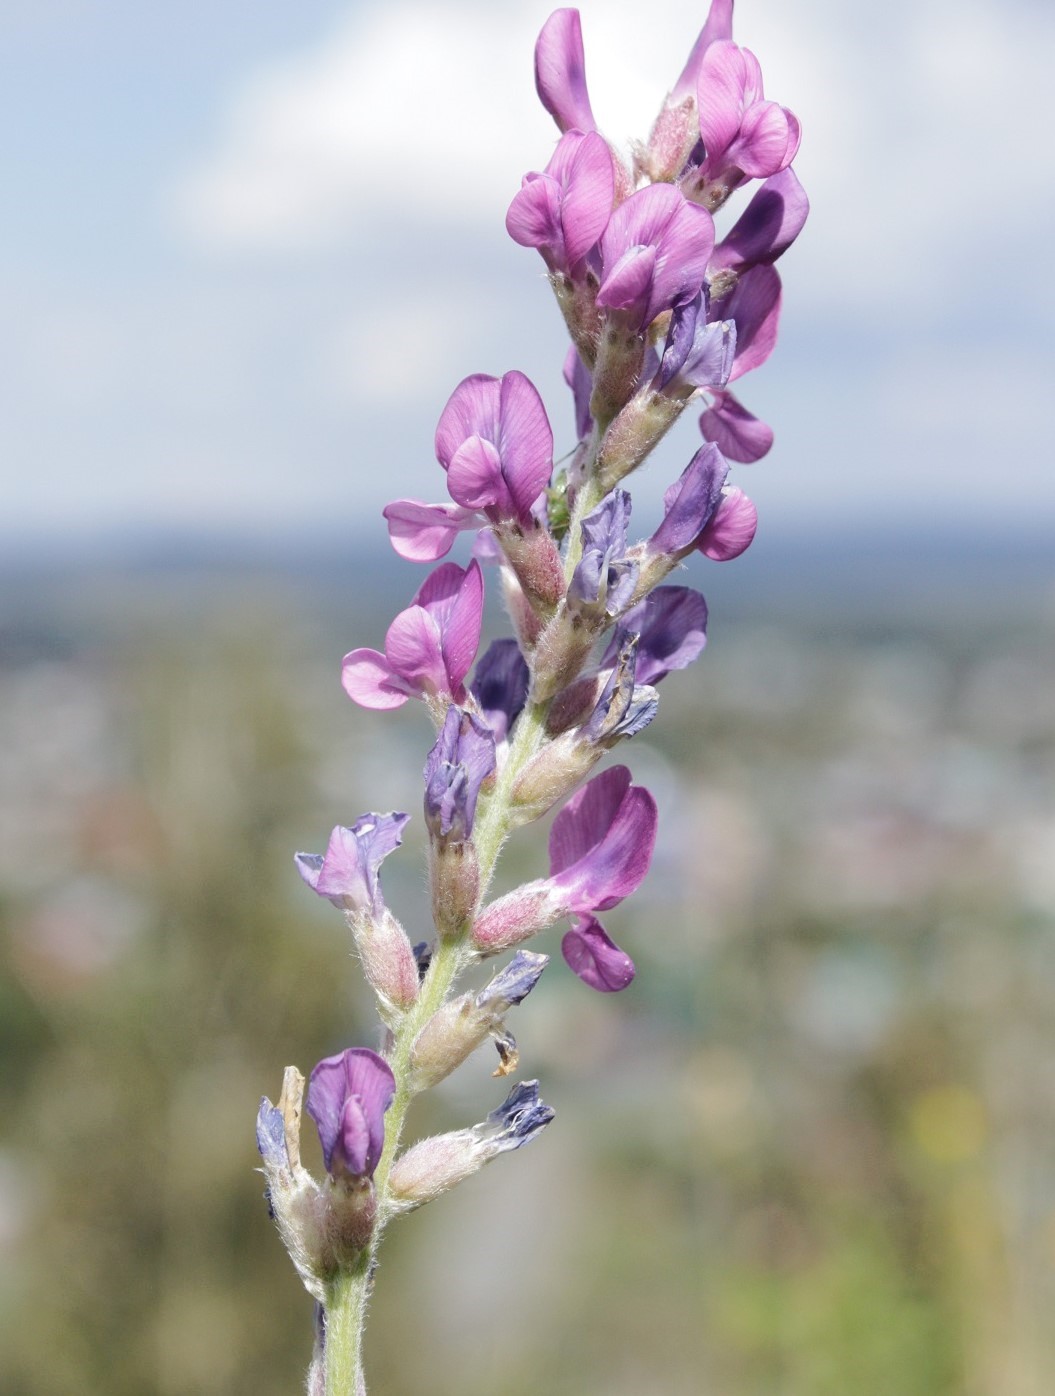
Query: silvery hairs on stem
(661, 314)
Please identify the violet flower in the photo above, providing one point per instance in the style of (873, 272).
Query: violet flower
(676, 130)
(500, 686)
(496, 445)
(702, 512)
(624, 707)
(347, 1098)
(600, 848)
(429, 648)
(671, 625)
(697, 354)
(459, 763)
(564, 210)
(604, 580)
(348, 871)
(744, 136)
(654, 254)
(737, 433)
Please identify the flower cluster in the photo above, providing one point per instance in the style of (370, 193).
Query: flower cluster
(663, 311)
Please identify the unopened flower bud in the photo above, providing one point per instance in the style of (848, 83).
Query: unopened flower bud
(436, 1165)
(455, 1031)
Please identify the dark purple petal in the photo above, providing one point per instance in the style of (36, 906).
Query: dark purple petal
(697, 354)
(425, 532)
(560, 72)
(690, 502)
(595, 958)
(624, 708)
(738, 434)
(767, 227)
(520, 1117)
(461, 760)
(347, 1098)
(500, 686)
(733, 527)
(601, 842)
(512, 984)
(671, 624)
(616, 843)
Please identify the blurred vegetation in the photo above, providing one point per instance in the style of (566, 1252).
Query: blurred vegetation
(808, 1152)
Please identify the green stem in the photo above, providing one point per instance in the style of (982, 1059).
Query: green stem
(346, 1303)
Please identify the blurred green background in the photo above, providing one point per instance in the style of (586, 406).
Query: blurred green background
(809, 1151)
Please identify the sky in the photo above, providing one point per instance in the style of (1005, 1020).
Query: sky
(247, 250)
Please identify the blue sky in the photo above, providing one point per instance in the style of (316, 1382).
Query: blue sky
(247, 250)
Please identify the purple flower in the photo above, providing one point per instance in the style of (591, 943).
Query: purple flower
(690, 502)
(624, 707)
(767, 227)
(495, 443)
(429, 647)
(461, 760)
(701, 511)
(512, 984)
(743, 135)
(600, 847)
(500, 686)
(515, 1122)
(601, 842)
(564, 210)
(671, 623)
(676, 131)
(594, 956)
(654, 254)
(604, 580)
(560, 72)
(348, 872)
(696, 354)
(347, 1098)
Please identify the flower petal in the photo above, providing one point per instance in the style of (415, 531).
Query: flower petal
(560, 72)
(461, 631)
(425, 532)
(595, 957)
(738, 434)
(352, 1138)
(369, 680)
(732, 528)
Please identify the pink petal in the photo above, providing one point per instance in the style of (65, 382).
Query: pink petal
(471, 410)
(368, 679)
(720, 96)
(412, 647)
(525, 442)
(589, 192)
(630, 278)
(425, 532)
(595, 958)
(738, 434)
(474, 476)
(437, 592)
(717, 25)
(732, 528)
(534, 216)
(461, 633)
(761, 148)
(560, 72)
